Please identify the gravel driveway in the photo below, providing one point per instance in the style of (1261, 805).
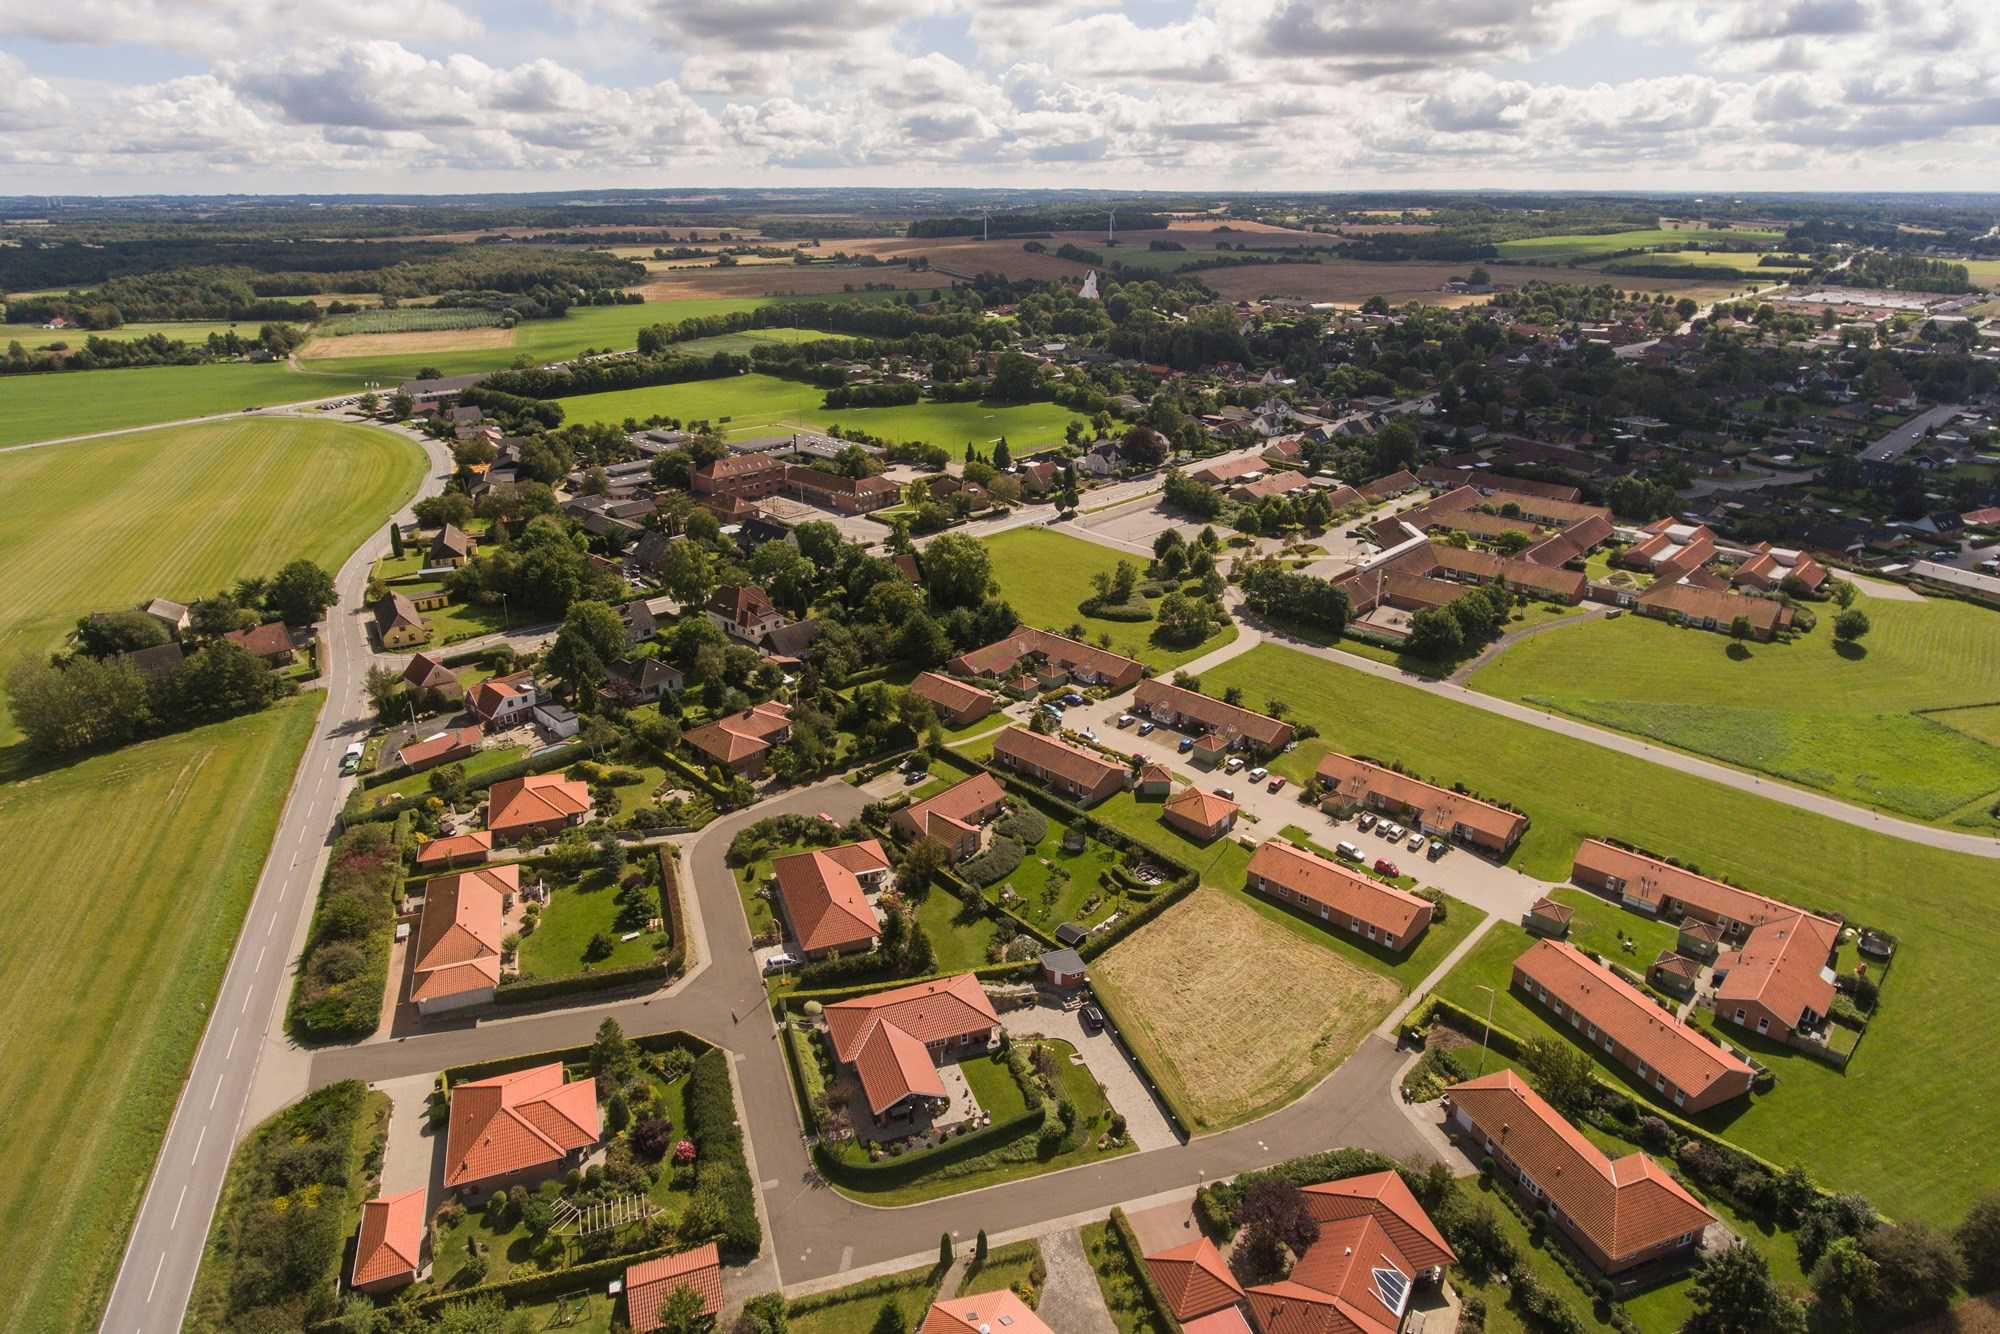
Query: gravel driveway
(1144, 1120)
(1072, 1302)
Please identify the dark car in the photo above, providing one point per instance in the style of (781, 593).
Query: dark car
(1093, 1018)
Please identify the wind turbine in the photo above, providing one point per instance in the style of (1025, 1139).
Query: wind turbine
(1111, 229)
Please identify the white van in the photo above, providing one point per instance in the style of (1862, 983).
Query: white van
(1349, 851)
(350, 759)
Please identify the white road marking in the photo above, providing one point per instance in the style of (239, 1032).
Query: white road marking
(232, 1045)
(197, 1143)
(260, 960)
(156, 1276)
(175, 1222)
(218, 1093)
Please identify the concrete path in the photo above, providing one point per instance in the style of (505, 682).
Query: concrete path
(1880, 588)
(1512, 637)
(1071, 1300)
(407, 1162)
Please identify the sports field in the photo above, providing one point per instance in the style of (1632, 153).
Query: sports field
(748, 405)
(1557, 249)
(180, 512)
(1852, 724)
(1043, 575)
(1235, 1015)
(128, 876)
(1894, 1125)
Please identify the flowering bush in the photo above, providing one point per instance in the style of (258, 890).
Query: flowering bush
(684, 1151)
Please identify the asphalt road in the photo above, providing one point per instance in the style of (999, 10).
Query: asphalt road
(164, 1250)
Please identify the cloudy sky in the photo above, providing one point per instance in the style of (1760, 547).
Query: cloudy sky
(206, 96)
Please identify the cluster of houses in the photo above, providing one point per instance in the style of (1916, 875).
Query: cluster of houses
(271, 643)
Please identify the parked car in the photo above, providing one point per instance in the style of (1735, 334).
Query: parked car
(1226, 793)
(1277, 781)
(1395, 833)
(1093, 1018)
(1259, 774)
(1072, 699)
(913, 777)
(1383, 866)
(350, 759)
(1349, 851)
(1438, 847)
(1187, 744)
(1416, 843)
(1365, 821)
(1088, 734)
(1233, 763)
(1146, 728)
(780, 962)
(1945, 553)
(1125, 720)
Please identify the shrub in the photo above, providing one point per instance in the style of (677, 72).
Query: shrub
(711, 1117)
(1025, 825)
(997, 862)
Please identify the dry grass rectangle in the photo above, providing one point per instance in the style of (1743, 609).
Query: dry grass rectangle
(393, 344)
(1233, 1013)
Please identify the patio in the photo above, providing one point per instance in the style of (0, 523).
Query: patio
(927, 1124)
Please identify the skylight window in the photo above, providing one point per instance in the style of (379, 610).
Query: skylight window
(1392, 1285)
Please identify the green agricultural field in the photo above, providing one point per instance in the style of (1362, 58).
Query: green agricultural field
(1894, 1124)
(1745, 262)
(34, 336)
(754, 404)
(129, 875)
(182, 511)
(1852, 724)
(1558, 249)
(1044, 575)
(1983, 272)
(66, 403)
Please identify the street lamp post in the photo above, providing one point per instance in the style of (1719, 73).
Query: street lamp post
(1491, 996)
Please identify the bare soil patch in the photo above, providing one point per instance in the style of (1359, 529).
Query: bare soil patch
(392, 344)
(1233, 1013)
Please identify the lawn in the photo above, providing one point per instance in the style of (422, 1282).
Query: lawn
(855, 1310)
(121, 928)
(1848, 723)
(65, 403)
(959, 932)
(574, 913)
(1232, 1014)
(1557, 249)
(1051, 886)
(1004, 1267)
(754, 404)
(1043, 575)
(181, 512)
(1118, 1279)
(485, 761)
(1895, 1127)
(34, 337)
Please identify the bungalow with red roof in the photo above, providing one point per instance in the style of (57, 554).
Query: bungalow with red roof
(1611, 1015)
(823, 894)
(894, 1039)
(1084, 776)
(392, 1249)
(743, 612)
(1436, 811)
(956, 702)
(271, 642)
(1620, 1213)
(1713, 609)
(651, 1283)
(1000, 1312)
(1330, 893)
(954, 816)
(1202, 816)
(1194, 1279)
(535, 806)
(457, 952)
(1193, 711)
(1059, 657)
(519, 1127)
(455, 743)
(742, 742)
(1780, 981)
(1270, 484)
(455, 849)
(1384, 1197)
(1771, 566)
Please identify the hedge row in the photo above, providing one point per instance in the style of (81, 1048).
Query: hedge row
(794, 1002)
(1135, 1257)
(337, 997)
(798, 1054)
(722, 1167)
(593, 1274)
(555, 757)
(873, 1287)
(518, 990)
(673, 911)
(1215, 1206)
(566, 1056)
(893, 1172)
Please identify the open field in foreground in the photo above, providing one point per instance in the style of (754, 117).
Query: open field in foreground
(180, 512)
(1351, 282)
(66, 403)
(1234, 1014)
(1043, 575)
(130, 873)
(1850, 723)
(748, 405)
(1894, 1124)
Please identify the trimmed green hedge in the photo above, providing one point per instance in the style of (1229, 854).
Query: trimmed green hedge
(517, 990)
(793, 1002)
(905, 1168)
(555, 757)
(1135, 1256)
(800, 1056)
(673, 912)
(566, 1056)
(594, 1274)
(335, 996)
(722, 1167)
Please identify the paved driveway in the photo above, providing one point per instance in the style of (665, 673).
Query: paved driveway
(1071, 1299)
(1108, 1065)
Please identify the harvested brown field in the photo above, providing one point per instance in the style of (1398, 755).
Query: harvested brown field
(1233, 1014)
(394, 344)
(1261, 230)
(781, 280)
(1350, 282)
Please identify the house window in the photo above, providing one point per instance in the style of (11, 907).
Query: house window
(1739, 1014)
(1679, 1097)
(1642, 1069)
(1764, 1024)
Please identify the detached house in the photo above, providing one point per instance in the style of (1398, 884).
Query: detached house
(517, 1128)
(398, 623)
(999, 1312)
(392, 1249)
(743, 612)
(1202, 816)
(1058, 657)
(444, 747)
(536, 806)
(457, 948)
(954, 816)
(742, 742)
(894, 1039)
(650, 1284)
(1437, 811)
(1374, 1245)
(503, 701)
(1083, 776)
(1329, 892)
(823, 895)
(425, 675)
(271, 642)
(452, 546)
(1621, 1213)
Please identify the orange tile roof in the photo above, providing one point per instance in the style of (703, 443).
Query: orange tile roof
(823, 900)
(452, 846)
(1713, 604)
(1649, 880)
(1229, 1320)
(516, 803)
(1202, 809)
(442, 743)
(1334, 1288)
(1383, 906)
(494, 691)
(1228, 719)
(741, 734)
(988, 1313)
(894, 1065)
(264, 641)
(952, 696)
(929, 1011)
(1548, 908)
(1353, 779)
(956, 805)
(1026, 641)
(1085, 768)
(1689, 1061)
(1194, 1279)
(1782, 966)
(1625, 1207)
(458, 937)
(1384, 1197)
(649, 1284)
(516, 1121)
(392, 1237)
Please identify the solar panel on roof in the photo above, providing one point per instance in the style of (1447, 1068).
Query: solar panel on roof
(1393, 1287)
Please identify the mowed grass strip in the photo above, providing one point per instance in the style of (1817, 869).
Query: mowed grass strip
(753, 404)
(1233, 1013)
(1545, 249)
(1045, 576)
(1847, 723)
(181, 512)
(1894, 1124)
(129, 875)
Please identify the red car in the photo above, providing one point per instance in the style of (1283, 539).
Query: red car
(1277, 781)
(1383, 866)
